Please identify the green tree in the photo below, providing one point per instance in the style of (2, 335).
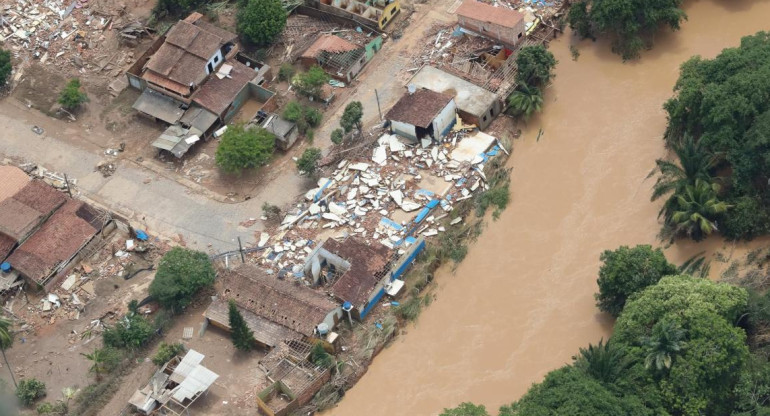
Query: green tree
(30, 390)
(303, 116)
(6, 341)
(244, 148)
(746, 219)
(181, 274)
(626, 271)
(166, 352)
(466, 409)
(103, 360)
(131, 332)
(320, 357)
(752, 391)
(604, 362)
(5, 67)
(175, 8)
(308, 162)
(535, 66)
(285, 72)
(310, 83)
(242, 336)
(570, 391)
(694, 163)
(630, 24)
(338, 135)
(662, 345)
(72, 95)
(526, 101)
(696, 210)
(261, 21)
(351, 117)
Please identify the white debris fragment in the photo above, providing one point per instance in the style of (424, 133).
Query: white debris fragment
(456, 221)
(263, 238)
(380, 156)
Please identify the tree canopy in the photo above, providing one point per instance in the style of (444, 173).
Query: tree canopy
(181, 274)
(466, 409)
(308, 162)
(261, 21)
(244, 148)
(5, 66)
(719, 124)
(310, 83)
(630, 24)
(535, 66)
(351, 117)
(241, 335)
(626, 271)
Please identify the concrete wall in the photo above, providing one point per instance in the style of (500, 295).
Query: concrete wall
(333, 317)
(404, 129)
(135, 70)
(445, 120)
(509, 35)
(215, 61)
(372, 48)
(388, 13)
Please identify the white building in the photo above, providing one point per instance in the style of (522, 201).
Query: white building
(423, 113)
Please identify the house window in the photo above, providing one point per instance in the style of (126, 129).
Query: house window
(216, 58)
(484, 118)
(491, 111)
(520, 34)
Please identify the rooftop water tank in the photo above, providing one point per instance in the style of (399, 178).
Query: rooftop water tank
(5, 267)
(347, 306)
(323, 328)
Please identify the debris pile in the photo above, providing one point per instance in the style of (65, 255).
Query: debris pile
(402, 192)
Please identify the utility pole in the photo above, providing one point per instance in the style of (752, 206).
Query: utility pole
(240, 249)
(67, 182)
(378, 103)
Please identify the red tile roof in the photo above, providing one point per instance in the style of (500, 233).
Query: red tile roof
(419, 109)
(329, 43)
(12, 179)
(287, 303)
(27, 208)
(40, 196)
(484, 12)
(367, 262)
(56, 242)
(217, 94)
(6, 245)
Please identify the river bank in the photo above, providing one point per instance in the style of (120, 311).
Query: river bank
(522, 302)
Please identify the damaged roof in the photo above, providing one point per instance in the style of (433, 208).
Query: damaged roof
(420, 108)
(13, 179)
(217, 94)
(367, 263)
(484, 12)
(56, 242)
(329, 43)
(291, 305)
(27, 208)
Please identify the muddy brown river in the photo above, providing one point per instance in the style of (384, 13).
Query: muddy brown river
(521, 304)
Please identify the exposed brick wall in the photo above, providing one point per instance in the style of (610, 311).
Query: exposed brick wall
(509, 35)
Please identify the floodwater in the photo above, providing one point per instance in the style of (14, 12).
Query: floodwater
(521, 304)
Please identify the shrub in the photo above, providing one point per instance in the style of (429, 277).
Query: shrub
(337, 136)
(746, 220)
(30, 390)
(303, 116)
(285, 72)
(5, 67)
(309, 83)
(130, 332)
(320, 357)
(313, 117)
(308, 162)
(351, 117)
(243, 148)
(410, 309)
(166, 352)
(72, 96)
(270, 211)
(175, 8)
(181, 274)
(497, 197)
(260, 21)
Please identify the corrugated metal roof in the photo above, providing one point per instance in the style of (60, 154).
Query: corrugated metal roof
(159, 106)
(191, 360)
(198, 381)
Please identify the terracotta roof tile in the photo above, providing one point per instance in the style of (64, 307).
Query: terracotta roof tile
(40, 196)
(6, 245)
(367, 261)
(484, 12)
(419, 109)
(217, 94)
(12, 179)
(329, 43)
(291, 305)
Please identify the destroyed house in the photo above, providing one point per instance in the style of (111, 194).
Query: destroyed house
(355, 271)
(275, 310)
(422, 113)
(175, 386)
(340, 58)
(376, 13)
(475, 105)
(497, 23)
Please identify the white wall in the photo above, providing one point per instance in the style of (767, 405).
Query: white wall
(404, 129)
(329, 319)
(444, 119)
(215, 61)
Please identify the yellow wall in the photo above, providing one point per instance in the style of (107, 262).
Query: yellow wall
(388, 14)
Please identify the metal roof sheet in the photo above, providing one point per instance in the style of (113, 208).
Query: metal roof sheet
(159, 106)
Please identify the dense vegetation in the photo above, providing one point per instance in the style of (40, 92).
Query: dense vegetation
(244, 148)
(719, 134)
(681, 346)
(630, 24)
(181, 274)
(260, 21)
(535, 70)
(303, 116)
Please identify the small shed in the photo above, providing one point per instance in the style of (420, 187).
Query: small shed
(423, 113)
(285, 131)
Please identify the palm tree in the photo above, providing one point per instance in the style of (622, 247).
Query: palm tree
(661, 346)
(6, 340)
(696, 208)
(99, 360)
(603, 362)
(526, 101)
(694, 163)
